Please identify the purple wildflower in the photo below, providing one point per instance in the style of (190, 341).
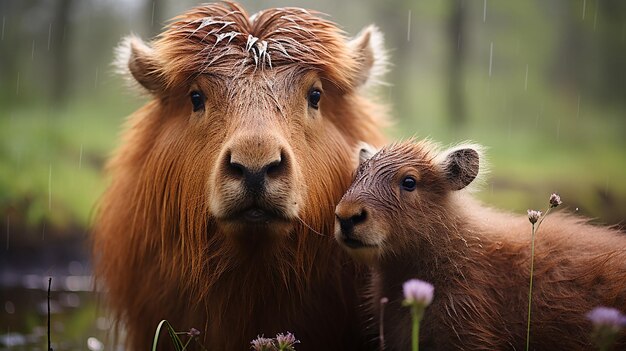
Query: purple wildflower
(533, 216)
(262, 344)
(418, 292)
(555, 200)
(606, 317)
(286, 342)
(193, 332)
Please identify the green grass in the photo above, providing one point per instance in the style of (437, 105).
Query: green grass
(51, 160)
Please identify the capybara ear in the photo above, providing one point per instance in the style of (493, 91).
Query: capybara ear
(366, 151)
(461, 167)
(135, 57)
(369, 52)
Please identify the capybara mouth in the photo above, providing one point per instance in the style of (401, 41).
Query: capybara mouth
(257, 215)
(354, 243)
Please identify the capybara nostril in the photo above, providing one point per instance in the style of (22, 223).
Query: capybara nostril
(348, 221)
(234, 169)
(277, 168)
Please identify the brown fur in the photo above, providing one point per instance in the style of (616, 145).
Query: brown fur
(168, 243)
(478, 259)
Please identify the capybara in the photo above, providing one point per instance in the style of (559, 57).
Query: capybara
(406, 214)
(220, 210)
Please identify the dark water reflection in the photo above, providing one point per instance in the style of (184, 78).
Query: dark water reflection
(78, 321)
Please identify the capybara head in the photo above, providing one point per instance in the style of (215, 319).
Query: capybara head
(224, 187)
(253, 108)
(397, 193)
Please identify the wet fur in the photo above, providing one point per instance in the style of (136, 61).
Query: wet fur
(158, 251)
(478, 260)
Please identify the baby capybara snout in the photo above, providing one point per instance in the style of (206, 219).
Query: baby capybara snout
(350, 216)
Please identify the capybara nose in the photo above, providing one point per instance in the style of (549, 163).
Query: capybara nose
(348, 219)
(254, 177)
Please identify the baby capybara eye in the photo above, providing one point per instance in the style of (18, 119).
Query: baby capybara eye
(197, 100)
(409, 183)
(315, 95)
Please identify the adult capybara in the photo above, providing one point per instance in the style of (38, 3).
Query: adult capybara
(406, 213)
(220, 211)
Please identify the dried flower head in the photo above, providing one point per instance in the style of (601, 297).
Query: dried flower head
(286, 342)
(533, 216)
(555, 200)
(418, 292)
(193, 332)
(262, 344)
(607, 317)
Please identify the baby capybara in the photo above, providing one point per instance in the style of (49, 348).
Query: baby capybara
(407, 215)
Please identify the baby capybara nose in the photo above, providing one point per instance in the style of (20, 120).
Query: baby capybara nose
(348, 217)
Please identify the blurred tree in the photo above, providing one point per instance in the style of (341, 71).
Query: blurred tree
(60, 34)
(155, 16)
(456, 26)
(612, 37)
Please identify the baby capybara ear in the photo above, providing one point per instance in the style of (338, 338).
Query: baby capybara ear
(461, 167)
(369, 51)
(366, 151)
(138, 61)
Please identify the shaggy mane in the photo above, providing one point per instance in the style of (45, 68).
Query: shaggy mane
(222, 39)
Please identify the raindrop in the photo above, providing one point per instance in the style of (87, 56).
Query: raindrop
(490, 54)
(49, 35)
(32, 52)
(50, 188)
(578, 107)
(94, 344)
(408, 31)
(152, 18)
(584, 8)
(9, 307)
(95, 83)
(17, 89)
(80, 157)
(4, 19)
(537, 121)
(43, 231)
(485, 11)
(558, 129)
(526, 79)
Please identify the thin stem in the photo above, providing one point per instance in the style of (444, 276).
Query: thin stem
(416, 328)
(381, 330)
(530, 289)
(532, 264)
(49, 343)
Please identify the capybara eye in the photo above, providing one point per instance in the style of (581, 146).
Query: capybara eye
(197, 100)
(409, 183)
(314, 98)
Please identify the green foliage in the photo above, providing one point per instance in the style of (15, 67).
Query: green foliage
(51, 161)
(179, 345)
